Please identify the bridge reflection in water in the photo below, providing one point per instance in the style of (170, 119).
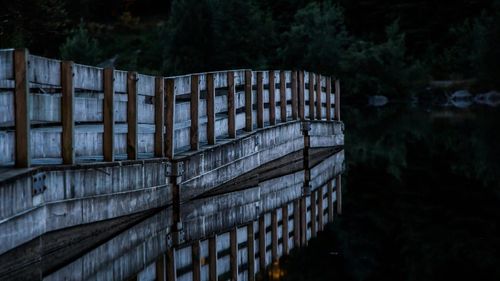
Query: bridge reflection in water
(234, 232)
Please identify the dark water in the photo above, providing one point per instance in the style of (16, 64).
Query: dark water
(421, 199)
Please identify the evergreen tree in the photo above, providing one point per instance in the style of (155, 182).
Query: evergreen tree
(80, 47)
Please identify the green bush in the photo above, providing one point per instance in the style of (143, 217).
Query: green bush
(80, 47)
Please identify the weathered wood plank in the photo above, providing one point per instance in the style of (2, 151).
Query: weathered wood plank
(311, 96)
(160, 268)
(159, 116)
(262, 244)
(318, 97)
(196, 258)
(88, 77)
(274, 235)
(195, 101)
(303, 221)
(171, 268)
(295, 109)
(6, 64)
(44, 71)
(296, 224)
(108, 115)
(169, 117)
(233, 249)
(132, 109)
(21, 104)
(67, 113)
(251, 251)
(328, 98)
(260, 100)
(212, 257)
(283, 96)
(284, 228)
(210, 109)
(272, 98)
(337, 100)
(248, 101)
(301, 96)
(231, 108)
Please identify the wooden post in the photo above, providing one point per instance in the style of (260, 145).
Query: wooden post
(233, 242)
(330, 201)
(210, 109)
(262, 244)
(248, 101)
(295, 109)
(337, 100)
(132, 115)
(171, 268)
(301, 95)
(318, 97)
(169, 117)
(260, 100)
(283, 96)
(212, 258)
(313, 214)
(231, 108)
(159, 116)
(339, 194)
(108, 115)
(311, 96)
(160, 268)
(274, 235)
(303, 221)
(328, 98)
(272, 99)
(320, 209)
(251, 252)
(195, 100)
(296, 223)
(284, 228)
(67, 113)
(21, 104)
(195, 253)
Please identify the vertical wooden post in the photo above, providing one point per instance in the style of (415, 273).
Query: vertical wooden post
(330, 201)
(328, 98)
(262, 244)
(339, 194)
(171, 268)
(303, 221)
(210, 109)
(311, 96)
(319, 104)
(274, 235)
(313, 214)
(301, 95)
(251, 252)
(169, 117)
(284, 228)
(320, 209)
(108, 115)
(159, 115)
(337, 100)
(21, 104)
(231, 108)
(272, 99)
(132, 115)
(296, 223)
(295, 109)
(248, 101)
(195, 253)
(160, 268)
(283, 96)
(212, 257)
(233, 257)
(195, 100)
(67, 113)
(260, 100)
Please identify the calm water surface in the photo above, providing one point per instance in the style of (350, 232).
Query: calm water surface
(421, 198)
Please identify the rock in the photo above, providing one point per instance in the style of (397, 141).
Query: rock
(377, 101)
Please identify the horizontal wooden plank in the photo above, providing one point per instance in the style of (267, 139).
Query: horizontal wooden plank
(88, 77)
(7, 64)
(44, 71)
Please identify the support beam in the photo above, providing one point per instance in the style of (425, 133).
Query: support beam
(272, 99)
(301, 95)
(195, 101)
(328, 98)
(337, 100)
(282, 96)
(318, 98)
(233, 249)
(132, 115)
(248, 101)
(295, 109)
(212, 258)
(320, 209)
(195, 254)
(171, 268)
(311, 96)
(330, 201)
(21, 104)
(160, 269)
(303, 221)
(251, 251)
(159, 116)
(296, 223)
(260, 100)
(169, 117)
(67, 113)
(284, 228)
(262, 245)
(210, 109)
(274, 235)
(313, 214)
(231, 108)
(108, 115)
(339, 194)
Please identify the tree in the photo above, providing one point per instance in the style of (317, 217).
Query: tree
(80, 47)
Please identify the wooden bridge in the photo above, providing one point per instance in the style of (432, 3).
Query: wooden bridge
(80, 145)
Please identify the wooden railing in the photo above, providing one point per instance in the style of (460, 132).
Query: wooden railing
(54, 112)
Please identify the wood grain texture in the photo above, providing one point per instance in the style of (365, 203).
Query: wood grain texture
(210, 102)
(295, 102)
(272, 99)
(67, 113)
(169, 117)
(195, 101)
(212, 257)
(328, 98)
(251, 251)
(160, 269)
(231, 108)
(248, 101)
(260, 100)
(108, 115)
(337, 100)
(159, 116)
(195, 254)
(311, 96)
(303, 221)
(301, 95)
(233, 256)
(171, 268)
(274, 235)
(282, 96)
(132, 113)
(296, 224)
(284, 229)
(262, 244)
(21, 104)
